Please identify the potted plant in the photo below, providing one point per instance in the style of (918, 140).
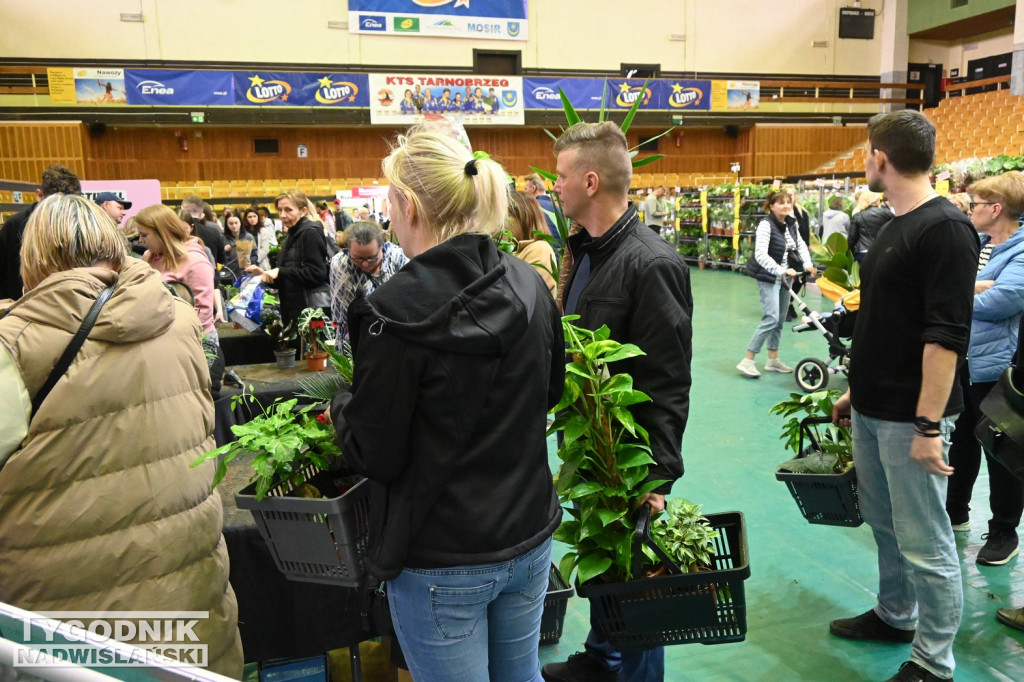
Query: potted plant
(281, 334)
(821, 478)
(685, 535)
(605, 459)
(316, 331)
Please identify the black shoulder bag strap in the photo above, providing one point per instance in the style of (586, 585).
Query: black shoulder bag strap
(72, 350)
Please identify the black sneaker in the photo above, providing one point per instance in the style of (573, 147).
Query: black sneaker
(1000, 547)
(581, 667)
(870, 627)
(912, 672)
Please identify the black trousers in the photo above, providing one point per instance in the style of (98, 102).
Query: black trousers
(1006, 491)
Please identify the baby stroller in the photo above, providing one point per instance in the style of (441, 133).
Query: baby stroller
(837, 327)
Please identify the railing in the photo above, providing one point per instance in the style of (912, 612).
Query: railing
(994, 80)
(829, 92)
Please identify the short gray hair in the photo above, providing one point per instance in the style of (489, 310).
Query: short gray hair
(364, 232)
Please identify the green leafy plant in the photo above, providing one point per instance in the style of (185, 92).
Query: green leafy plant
(685, 534)
(835, 453)
(836, 261)
(282, 441)
(605, 456)
(282, 334)
(316, 329)
(322, 386)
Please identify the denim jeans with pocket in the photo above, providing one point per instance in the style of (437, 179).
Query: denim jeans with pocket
(918, 566)
(774, 305)
(472, 623)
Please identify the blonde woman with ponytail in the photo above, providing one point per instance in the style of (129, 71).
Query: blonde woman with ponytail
(458, 357)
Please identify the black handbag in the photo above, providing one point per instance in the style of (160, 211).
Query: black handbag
(1001, 426)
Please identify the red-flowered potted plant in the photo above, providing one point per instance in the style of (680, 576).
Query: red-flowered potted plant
(316, 331)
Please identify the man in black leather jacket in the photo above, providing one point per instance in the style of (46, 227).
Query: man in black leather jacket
(626, 276)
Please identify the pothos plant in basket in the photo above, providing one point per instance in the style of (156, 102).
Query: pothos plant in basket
(605, 458)
(834, 454)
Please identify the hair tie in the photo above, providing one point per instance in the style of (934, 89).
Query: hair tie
(470, 167)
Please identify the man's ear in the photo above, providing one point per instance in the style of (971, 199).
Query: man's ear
(881, 160)
(592, 181)
(39, 194)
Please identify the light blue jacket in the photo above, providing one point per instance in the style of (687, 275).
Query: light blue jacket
(997, 311)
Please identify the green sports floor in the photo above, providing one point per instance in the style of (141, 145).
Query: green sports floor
(801, 575)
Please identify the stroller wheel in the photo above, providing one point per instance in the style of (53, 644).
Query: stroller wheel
(811, 375)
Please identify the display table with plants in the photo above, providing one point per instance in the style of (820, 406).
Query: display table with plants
(821, 478)
(675, 580)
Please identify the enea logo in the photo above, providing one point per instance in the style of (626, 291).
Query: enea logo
(627, 95)
(261, 91)
(513, 29)
(372, 22)
(332, 92)
(684, 97)
(407, 24)
(154, 88)
(544, 93)
(509, 98)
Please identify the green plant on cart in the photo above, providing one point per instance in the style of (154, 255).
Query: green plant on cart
(282, 441)
(836, 261)
(605, 456)
(835, 454)
(685, 534)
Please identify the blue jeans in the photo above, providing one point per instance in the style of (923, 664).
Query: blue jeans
(472, 623)
(918, 567)
(633, 666)
(774, 303)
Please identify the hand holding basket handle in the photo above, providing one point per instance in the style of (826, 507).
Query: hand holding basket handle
(641, 537)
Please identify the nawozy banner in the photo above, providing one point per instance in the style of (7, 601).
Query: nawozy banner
(161, 87)
(497, 19)
(78, 85)
(404, 99)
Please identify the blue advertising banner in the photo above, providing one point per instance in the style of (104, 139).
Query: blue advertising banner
(268, 88)
(542, 93)
(687, 95)
(336, 90)
(496, 19)
(623, 93)
(160, 87)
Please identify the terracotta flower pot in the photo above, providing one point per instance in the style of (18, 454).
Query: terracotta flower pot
(316, 362)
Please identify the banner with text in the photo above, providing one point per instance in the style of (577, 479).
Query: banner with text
(76, 85)
(585, 93)
(495, 19)
(404, 99)
(267, 88)
(162, 87)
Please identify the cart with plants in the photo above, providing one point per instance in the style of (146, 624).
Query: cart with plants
(821, 478)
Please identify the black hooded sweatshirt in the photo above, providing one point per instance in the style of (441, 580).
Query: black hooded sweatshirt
(458, 357)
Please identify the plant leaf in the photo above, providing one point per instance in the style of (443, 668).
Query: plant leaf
(592, 566)
(547, 175)
(628, 121)
(571, 117)
(647, 159)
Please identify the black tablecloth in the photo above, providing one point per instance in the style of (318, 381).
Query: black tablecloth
(280, 618)
(244, 348)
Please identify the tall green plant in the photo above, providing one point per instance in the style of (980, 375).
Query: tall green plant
(605, 456)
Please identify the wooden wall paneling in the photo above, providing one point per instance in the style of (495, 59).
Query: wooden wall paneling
(791, 150)
(27, 149)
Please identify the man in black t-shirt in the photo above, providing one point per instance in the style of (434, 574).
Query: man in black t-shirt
(914, 322)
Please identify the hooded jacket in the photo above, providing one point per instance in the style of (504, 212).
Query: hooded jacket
(997, 310)
(302, 267)
(457, 358)
(99, 508)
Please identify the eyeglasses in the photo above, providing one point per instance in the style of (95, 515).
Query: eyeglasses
(370, 260)
(982, 203)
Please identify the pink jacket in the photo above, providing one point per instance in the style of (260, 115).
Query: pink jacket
(198, 273)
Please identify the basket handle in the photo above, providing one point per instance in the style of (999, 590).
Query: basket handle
(805, 427)
(642, 536)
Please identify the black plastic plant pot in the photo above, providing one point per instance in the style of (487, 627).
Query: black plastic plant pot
(707, 607)
(317, 540)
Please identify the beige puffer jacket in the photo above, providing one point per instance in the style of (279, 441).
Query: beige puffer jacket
(99, 510)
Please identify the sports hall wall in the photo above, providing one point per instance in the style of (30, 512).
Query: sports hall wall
(720, 36)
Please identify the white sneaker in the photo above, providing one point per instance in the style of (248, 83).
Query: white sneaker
(748, 368)
(776, 365)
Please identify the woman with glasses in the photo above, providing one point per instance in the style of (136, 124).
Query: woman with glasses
(457, 360)
(998, 303)
(369, 261)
